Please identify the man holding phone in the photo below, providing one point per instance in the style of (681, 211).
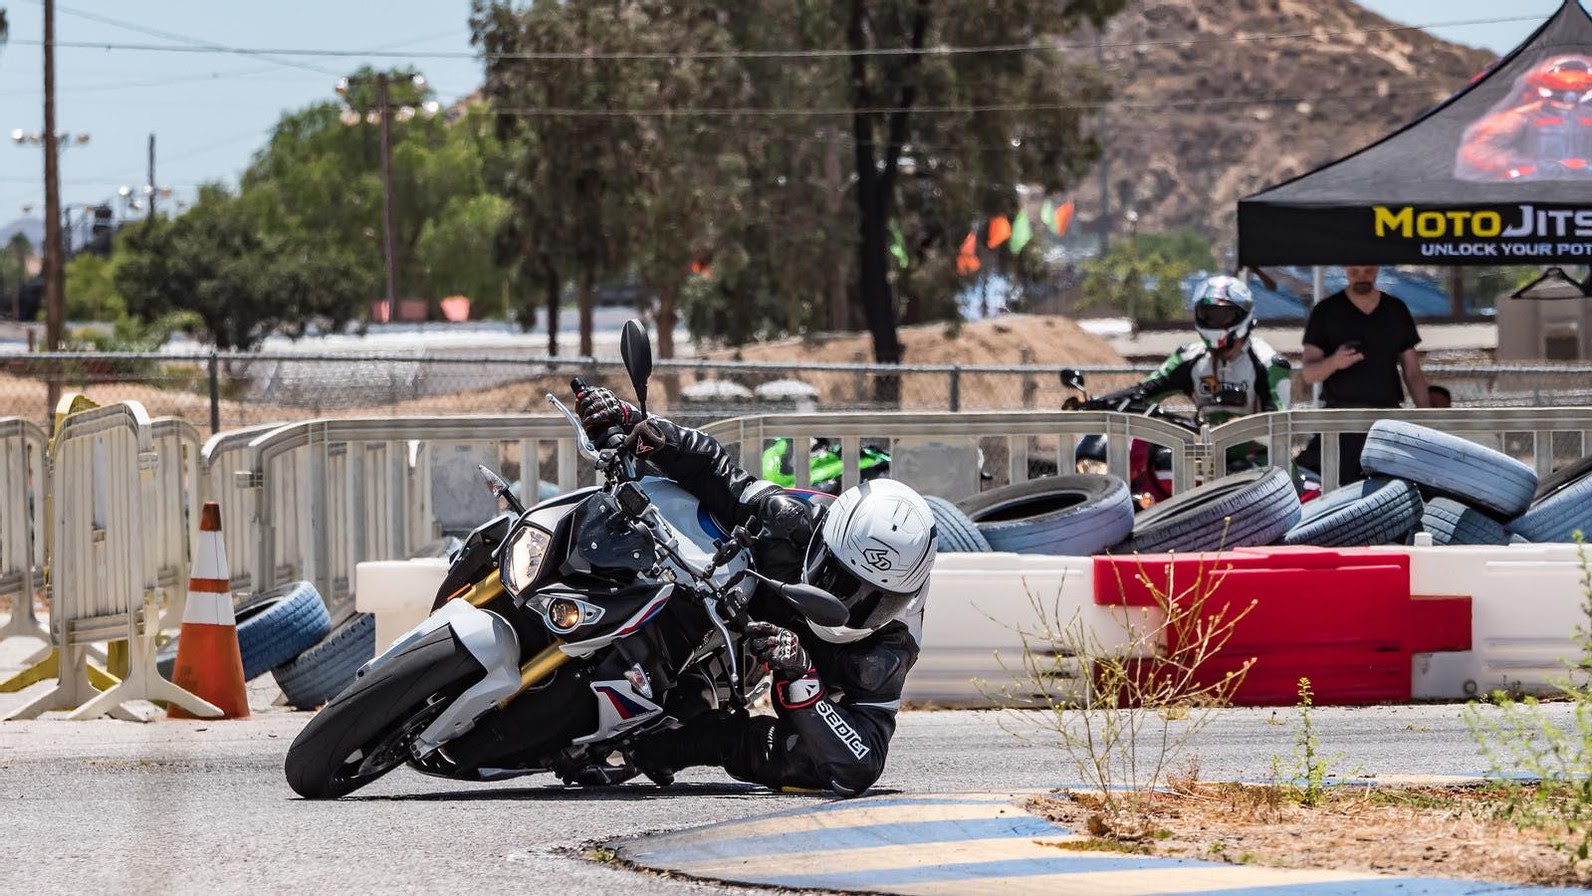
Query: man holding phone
(1359, 343)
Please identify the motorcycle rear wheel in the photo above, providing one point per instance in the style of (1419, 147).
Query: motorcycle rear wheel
(365, 731)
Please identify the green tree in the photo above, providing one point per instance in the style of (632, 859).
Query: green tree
(91, 292)
(319, 181)
(240, 279)
(1142, 276)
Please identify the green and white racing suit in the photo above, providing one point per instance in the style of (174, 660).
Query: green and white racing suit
(1255, 380)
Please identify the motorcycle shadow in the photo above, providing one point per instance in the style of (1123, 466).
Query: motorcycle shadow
(622, 793)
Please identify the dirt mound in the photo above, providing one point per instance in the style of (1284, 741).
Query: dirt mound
(1013, 340)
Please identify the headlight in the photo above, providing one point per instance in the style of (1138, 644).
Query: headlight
(522, 558)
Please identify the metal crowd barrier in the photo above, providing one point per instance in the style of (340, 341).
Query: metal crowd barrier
(23, 466)
(1550, 431)
(103, 487)
(940, 453)
(329, 494)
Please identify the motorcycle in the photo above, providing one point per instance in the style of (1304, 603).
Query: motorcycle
(561, 633)
(1150, 465)
(825, 465)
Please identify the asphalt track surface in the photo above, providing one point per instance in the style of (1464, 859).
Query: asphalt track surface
(201, 807)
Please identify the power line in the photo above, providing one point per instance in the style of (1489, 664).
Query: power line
(193, 43)
(1113, 105)
(579, 56)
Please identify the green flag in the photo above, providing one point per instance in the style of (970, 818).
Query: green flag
(1047, 215)
(1021, 232)
(898, 245)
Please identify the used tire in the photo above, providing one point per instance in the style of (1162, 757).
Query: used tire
(1075, 515)
(1449, 465)
(1451, 522)
(958, 534)
(321, 672)
(1371, 511)
(1241, 510)
(1563, 506)
(273, 628)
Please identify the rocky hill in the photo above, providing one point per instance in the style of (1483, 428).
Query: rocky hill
(1212, 105)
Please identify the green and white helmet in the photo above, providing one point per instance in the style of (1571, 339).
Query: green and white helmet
(1223, 312)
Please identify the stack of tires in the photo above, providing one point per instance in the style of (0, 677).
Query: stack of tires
(286, 631)
(1085, 514)
(1420, 480)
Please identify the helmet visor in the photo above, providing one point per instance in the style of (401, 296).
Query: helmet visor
(1219, 315)
(868, 605)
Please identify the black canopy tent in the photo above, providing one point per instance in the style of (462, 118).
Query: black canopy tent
(1500, 173)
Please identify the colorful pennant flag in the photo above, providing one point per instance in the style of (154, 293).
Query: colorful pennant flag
(1064, 217)
(1022, 232)
(898, 245)
(967, 259)
(1000, 230)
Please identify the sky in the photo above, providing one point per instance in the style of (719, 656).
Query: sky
(212, 110)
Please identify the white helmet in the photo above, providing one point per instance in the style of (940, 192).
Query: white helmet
(873, 549)
(1223, 312)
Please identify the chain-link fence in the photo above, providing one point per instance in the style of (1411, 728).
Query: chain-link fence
(231, 390)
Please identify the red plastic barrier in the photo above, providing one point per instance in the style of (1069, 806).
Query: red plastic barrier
(1344, 618)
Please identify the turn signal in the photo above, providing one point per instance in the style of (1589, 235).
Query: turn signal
(563, 614)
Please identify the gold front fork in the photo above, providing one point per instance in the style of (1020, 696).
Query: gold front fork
(537, 668)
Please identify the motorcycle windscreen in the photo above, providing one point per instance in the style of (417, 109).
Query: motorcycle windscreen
(606, 540)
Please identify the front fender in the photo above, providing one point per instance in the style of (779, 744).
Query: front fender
(492, 641)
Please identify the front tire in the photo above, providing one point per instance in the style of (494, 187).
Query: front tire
(365, 731)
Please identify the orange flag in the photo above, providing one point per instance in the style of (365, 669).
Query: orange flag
(1000, 230)
(1064, 217)
(967, 259)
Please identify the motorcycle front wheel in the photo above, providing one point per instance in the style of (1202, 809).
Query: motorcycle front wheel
(365, 731)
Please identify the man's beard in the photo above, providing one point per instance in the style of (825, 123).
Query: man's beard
(1362, 287)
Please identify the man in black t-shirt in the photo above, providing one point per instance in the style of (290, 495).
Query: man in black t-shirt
(1358, 344)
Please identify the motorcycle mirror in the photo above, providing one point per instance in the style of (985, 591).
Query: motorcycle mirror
(815, 603)
(1072, 378)
(636, 349)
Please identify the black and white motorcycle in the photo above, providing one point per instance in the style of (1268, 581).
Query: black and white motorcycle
(561, 633)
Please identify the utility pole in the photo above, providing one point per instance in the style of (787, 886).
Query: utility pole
(153, 190)
(54, 271)
(1105, 151)
(389, 220)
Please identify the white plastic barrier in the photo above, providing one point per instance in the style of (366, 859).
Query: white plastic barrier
(334, 493)
(1526, 602)
(23, 466)
(399, 593)
(171, 517)
(103, 476)
(222, 458)
(976, 603)
(939, 452)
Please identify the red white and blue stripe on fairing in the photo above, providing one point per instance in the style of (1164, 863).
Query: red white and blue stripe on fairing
(646, 614)
(626, 708)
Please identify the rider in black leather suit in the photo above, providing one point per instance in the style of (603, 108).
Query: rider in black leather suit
(835, 703)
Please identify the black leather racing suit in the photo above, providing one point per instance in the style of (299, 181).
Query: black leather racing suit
(837, 741)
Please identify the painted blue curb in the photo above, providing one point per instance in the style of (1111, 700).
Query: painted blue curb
(987, 843)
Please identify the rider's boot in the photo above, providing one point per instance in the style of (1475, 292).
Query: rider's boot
(705, 740)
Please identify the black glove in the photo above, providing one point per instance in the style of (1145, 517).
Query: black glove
(780, 649)
(600, 411)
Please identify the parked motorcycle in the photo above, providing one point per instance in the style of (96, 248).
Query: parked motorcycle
(1150, 465)
(824, 465)
(561, 633)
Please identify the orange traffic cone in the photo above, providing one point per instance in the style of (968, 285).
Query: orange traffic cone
(208, 662)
